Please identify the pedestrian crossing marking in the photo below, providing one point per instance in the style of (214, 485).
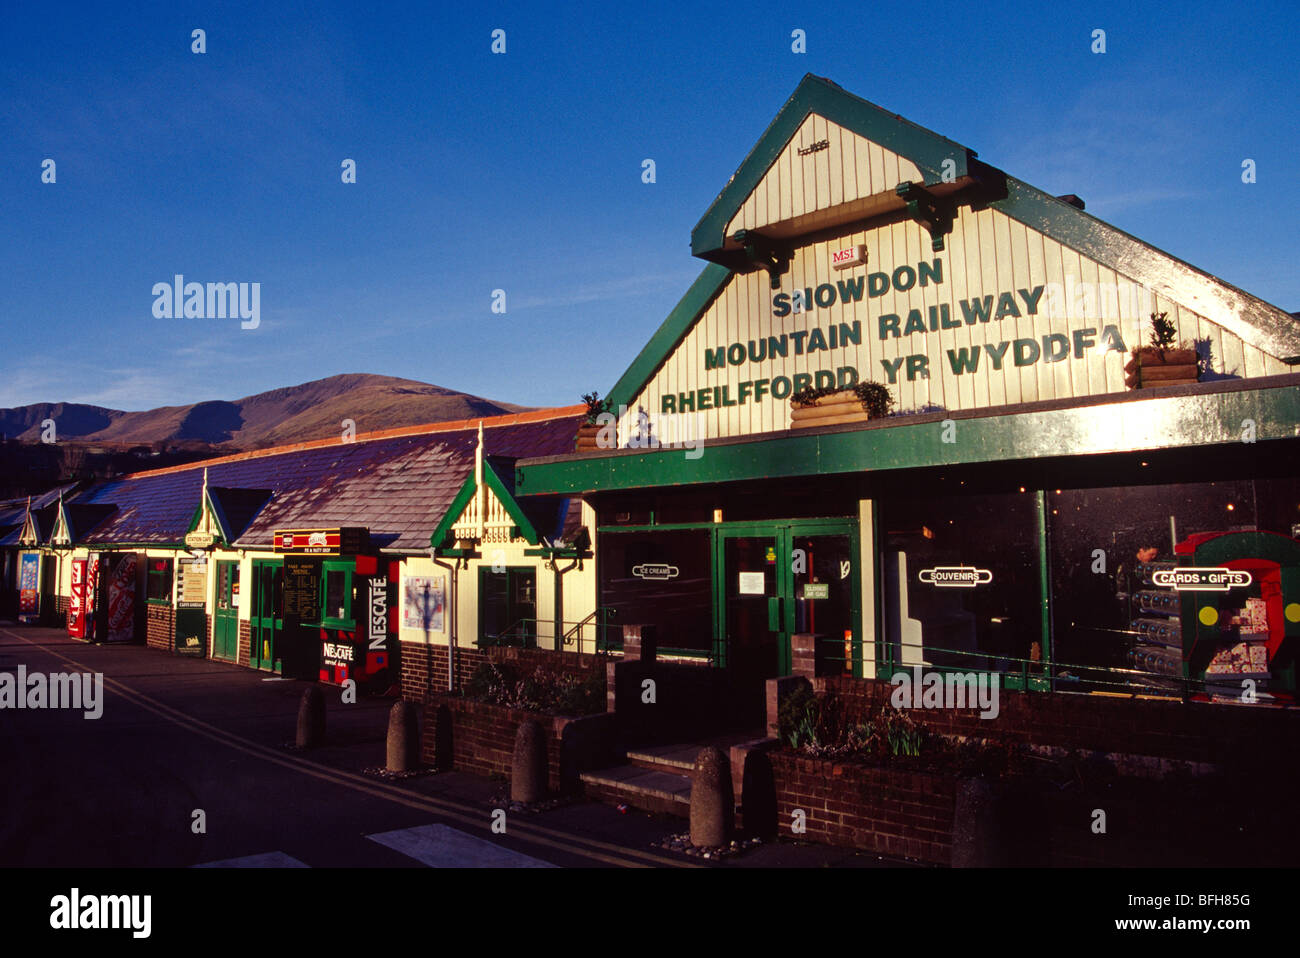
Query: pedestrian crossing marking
(441, 846)
(264, 860)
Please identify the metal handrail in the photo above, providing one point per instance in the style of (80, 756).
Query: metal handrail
(603, 612)
(518, 632)
(1129, 681)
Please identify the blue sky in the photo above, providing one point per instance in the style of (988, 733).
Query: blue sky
(522, 171)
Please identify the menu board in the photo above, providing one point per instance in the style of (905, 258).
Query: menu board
(191, 584)
(301, 588)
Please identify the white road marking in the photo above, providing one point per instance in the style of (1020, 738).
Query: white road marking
(265, 860)
(441, 846)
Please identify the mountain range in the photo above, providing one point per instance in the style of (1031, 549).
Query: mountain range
(314, 410)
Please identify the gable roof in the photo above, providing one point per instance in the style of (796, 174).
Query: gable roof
(1254, 321)
(397, 485)
(499, 477)
(814, 94)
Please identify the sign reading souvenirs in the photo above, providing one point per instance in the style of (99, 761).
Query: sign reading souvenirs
(337, 541)
(1201, 579)
(955, 577)
(657, 571)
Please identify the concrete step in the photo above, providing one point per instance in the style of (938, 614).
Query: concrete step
(646, 789)
(676, 759)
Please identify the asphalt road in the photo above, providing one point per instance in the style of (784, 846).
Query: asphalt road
(178, 736)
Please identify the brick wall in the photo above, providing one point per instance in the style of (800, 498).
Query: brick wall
(424, 667)
(245, 643)
(479, 738)
(883, 810)
(1226, 736)
(160, 626)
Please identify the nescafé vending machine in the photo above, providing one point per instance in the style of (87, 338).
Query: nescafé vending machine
(336, 600)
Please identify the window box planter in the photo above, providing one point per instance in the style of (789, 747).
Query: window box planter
(1152, 366)
(859, 403)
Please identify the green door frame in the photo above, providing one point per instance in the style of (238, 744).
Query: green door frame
(225, 621)
(512, 575)
(783, 532)
(267, 621)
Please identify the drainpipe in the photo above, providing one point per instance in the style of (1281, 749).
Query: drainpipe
(559, 603)
(452, 621)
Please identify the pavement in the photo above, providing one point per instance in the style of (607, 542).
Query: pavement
(191, 763)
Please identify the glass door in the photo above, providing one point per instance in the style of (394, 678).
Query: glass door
(753, 643)
(225, 619)
(778, 579)
(825, 597)
(267, 614)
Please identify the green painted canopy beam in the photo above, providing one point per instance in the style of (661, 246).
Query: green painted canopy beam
(1051, 429)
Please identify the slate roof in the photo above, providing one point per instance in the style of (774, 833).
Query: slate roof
(13, 512)
(398, 486)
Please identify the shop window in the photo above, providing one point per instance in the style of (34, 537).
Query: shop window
(664, 579)
(1114, 624)
(507, 606)
(158, 584)
(337, 596)
(961, 584)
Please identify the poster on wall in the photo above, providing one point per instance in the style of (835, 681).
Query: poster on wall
(191, 584)
(121, 601)
(423, 600)
(29, 586)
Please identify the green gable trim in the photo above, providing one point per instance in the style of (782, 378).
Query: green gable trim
(523, 527)
(62, 527)
(442, 534)
(1172, 422)
(669, 335)
(926, 149)
(1255, 322)
(222, 536)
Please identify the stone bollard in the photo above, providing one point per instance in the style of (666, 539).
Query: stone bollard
(975, 826)
(311, 718)
(528, 771)
(713, 807)
(403, 738)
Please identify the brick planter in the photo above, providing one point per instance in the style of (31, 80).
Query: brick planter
(479, 738)
(894, 812)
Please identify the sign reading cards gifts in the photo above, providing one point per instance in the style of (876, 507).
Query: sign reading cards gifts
(1201, 579)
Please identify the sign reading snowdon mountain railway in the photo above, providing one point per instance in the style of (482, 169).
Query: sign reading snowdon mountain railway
(983, 314)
